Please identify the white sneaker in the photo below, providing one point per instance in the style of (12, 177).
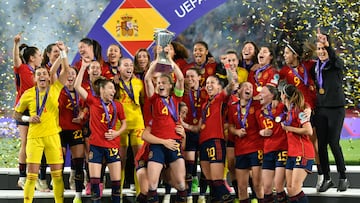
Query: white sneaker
(72, 180)
(189, 199)
(320, 179)
(166, 198)
(21, 182)
(201, 199)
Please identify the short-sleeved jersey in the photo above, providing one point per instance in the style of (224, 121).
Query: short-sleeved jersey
(24, 79)
(108, 71)
(132, 108)
(99, 124)
(66, 110)
(268, 76)
(213, 127)
(304, 70)
(194, 100)
(163, 124)
(299, 145)
(266, 120)
(252, 141)
(49, 117)
(242, 74)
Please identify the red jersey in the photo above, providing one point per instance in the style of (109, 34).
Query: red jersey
(24, 79)
(213, 126)
(233, 98)
(194, 100)
(299, 78)
(86, 78)
(242, 117)
(99, 124)
(143, 153)
(108, 71)
(66, 110)
(298, 145)
(266, 120)
(263, 77)
(163, 123)
(205, 71)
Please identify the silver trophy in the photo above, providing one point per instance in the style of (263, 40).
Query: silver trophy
(163, 37)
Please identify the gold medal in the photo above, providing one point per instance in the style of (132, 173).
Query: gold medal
(321, 91)
(277, 119)
(195, 121)
(243, 111)
(202, 126)
(259, 88)
(266, 111)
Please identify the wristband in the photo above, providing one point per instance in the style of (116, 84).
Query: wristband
(63, 54)
(25, 118)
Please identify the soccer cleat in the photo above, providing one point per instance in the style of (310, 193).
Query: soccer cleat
(320, 179)
(88, 189)
(343, 185)
(326, 184)
(77, 200)
(195, 185)
(21, 182)
(166, 198)
(201, 199)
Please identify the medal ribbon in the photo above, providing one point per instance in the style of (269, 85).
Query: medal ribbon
(111, 124)
(206, 109)
(92, 89)
(243, 121)
(128, 91)
(289, 118)
(192, 102)
(257, 72)
(31, 68)
(172, 108)
(319, 69)
(269, 115)
(74, 103)
(305, 79)
(41, 109)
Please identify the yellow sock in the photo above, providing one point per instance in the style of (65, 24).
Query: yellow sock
(29, 187)
(58, 185)
(226, 169)
(122, 179)
(137, 185)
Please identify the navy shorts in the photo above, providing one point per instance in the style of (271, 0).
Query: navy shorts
(213, 150)
(299, 162)
(139, 164)
(71, 137)
(160, 154)
(274, 159)
(25, 113)
(192, 141)
(247, 161)
(97, 154)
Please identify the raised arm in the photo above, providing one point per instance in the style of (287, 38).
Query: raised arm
(64, 62)
(16, 56)
(77, 85)
(149, 86)
(229, 87)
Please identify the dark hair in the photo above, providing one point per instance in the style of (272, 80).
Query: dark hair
(254, 58)
(100, 83)
(47, 50)
(180, 51)
(294, 95)
(274, 91)
(26, 52)
(194, 69)
(96, 49)
(272, 53)
(136, 58)
(296, 48)
(202, 43)
(232, 51)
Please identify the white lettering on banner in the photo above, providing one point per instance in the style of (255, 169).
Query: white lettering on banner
(187, 7)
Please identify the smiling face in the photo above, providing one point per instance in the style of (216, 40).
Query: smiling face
(86, 50)
(71, 75)
(143, 60)
(163, 86)
(42, 78)
(266, 96)
(245, 91)
(248, 52)
(233, 60)
(36, 59)
(321, 52)
(94, 70)
(54, 53)
(289, 57)
(264, 57)
(183, 111)
(107, 92)
(192, 78)
(212, 86)
(199, 53)
(113, 54)
(126, 68)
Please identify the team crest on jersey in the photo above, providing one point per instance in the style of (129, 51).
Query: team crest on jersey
(265, 76)
(252, 110)
(210, 71)
(141, 163)
(151, 154)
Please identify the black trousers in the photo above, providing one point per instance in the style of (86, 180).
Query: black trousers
(328, 123)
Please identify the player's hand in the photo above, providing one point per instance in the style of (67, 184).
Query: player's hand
(34, 119)
(171, 144)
